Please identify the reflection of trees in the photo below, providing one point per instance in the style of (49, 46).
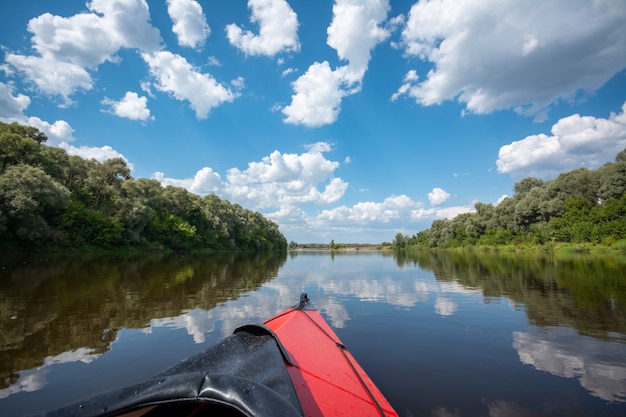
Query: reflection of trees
(584, 292)
(52, 305)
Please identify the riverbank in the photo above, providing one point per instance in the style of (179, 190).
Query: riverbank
(564, 249)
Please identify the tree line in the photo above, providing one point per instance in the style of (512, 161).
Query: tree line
(579, 206)
(51, 199)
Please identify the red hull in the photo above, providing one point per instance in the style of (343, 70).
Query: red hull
(327, 378)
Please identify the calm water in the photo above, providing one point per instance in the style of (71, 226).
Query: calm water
(441, 335)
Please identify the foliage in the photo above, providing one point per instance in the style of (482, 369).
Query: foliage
(578, 207)
(51, 199)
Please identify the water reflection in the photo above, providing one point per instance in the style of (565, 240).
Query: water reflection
(56, 308)
(599, 366)
(35, 379)
(370, 284)
(471, 324)
(583, 292)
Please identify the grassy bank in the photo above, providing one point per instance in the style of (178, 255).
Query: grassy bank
(565, 249)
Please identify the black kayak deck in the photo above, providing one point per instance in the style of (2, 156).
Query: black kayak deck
(243, 375)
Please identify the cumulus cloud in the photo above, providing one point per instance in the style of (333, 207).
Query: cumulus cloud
(205, 181)
(11, 107)
(281, 183)
(64, 80)
(317, 97)
(492, 55)
(392, 208)
(278, 29)
(12, 110)
(401, 210)
(286, 179)
(71, 45)
(173, 74)
(59, 133)
(278, 180)
(100, 154)
(576, 141)
(130, 107)
(190, 25)
(438, 196)
(354, 31)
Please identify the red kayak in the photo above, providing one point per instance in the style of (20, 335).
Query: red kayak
(293, 365)
(327, 378)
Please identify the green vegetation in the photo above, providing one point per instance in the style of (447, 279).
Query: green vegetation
(49, 199)
(578, 209)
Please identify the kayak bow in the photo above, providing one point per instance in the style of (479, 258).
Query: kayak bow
(327, 378)
(292, 365)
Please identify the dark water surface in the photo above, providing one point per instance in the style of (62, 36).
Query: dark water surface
(440, 334)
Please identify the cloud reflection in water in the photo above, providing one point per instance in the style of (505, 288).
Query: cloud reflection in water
(563, 352)
(35, 379)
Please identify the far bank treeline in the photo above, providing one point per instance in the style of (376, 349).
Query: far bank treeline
(49, 199)
(579, 206)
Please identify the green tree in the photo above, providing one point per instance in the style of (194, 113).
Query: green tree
(16, 147)
(613, 179)
(527, 184)
(48, 197)
(87, 227)
(31, 202)
(528, 209)
(400, 241)
(578, 206)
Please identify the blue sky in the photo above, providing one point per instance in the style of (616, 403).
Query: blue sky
(349, 120)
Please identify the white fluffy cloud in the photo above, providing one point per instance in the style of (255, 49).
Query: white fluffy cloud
(353, 33)
(190, 24)
(278, 29)
(491, 55)
(205, 181)
(400, 209)
(576, 141)
(71, 45)
(277, 181)
(392, 208)
(12, 110)
(131, 106)
(59, 133)
(317, 98)
(64, 80)
(285, 182)
(12, 107)
(100, 154)
(286, 179)
(438, 196)
(175, 75)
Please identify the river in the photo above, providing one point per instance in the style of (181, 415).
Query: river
(441, 334)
